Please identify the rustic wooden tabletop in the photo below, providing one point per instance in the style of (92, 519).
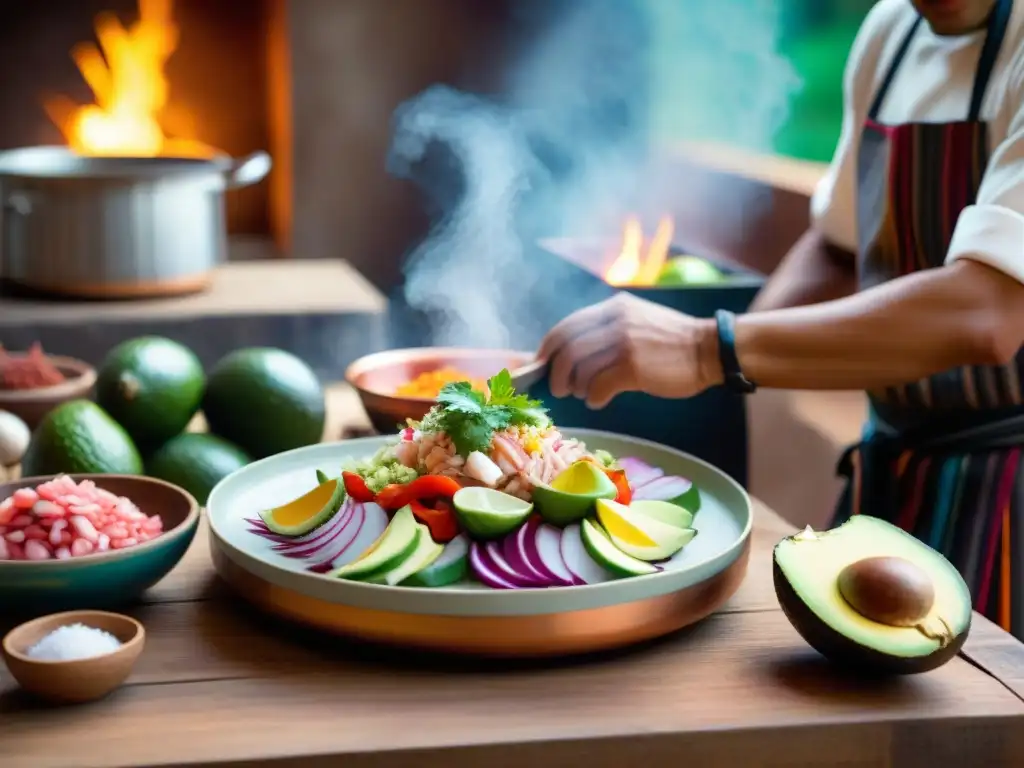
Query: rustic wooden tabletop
(219, 685)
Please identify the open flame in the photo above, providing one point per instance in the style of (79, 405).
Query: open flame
(634, 265)
(126, 76)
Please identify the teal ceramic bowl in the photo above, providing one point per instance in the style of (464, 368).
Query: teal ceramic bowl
(107, 579)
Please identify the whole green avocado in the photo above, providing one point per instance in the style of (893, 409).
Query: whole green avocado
(152, 386)
(265, 401)
(196, 462)
(80, 437)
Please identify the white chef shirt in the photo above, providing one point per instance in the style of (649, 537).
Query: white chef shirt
(933, 84)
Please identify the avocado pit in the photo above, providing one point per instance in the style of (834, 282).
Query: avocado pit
(888, 590)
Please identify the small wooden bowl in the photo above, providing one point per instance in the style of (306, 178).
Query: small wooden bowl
(79, 680)
(32, 405)
(376, 377)
(104, 579)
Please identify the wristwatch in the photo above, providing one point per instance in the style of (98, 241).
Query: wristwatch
(734, 378)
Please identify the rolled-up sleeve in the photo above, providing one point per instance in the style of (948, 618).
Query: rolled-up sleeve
(992, 230)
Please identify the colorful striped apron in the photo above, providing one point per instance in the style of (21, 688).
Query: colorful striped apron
(939, 457)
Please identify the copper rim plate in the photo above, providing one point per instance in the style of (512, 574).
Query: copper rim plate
(468, 617)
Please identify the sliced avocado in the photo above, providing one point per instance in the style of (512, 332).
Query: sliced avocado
(321, 477)
(196, 461)
(600, 547)
(869, 595)
(398, 541)
(636, 534)
(79, 436)
(307, 512)
(450, 567)
(666, 512)
(571, 495)
(689, 500)
(422, 555)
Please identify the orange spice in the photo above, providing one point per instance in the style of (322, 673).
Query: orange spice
(428, 384)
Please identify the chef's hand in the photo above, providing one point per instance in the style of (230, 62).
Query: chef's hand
(628, 344)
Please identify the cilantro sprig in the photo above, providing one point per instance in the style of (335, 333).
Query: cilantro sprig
(470, 417)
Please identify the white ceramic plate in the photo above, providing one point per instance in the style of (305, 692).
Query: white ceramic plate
(723, 526)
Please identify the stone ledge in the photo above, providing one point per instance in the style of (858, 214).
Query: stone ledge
(323, 311)
(271, 287)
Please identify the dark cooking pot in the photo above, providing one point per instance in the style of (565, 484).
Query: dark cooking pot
(711, 426)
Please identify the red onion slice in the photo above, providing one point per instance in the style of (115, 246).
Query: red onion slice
(335, 527)
(578, 560)
(506, 571)
(638, 471)
(374, 522)
(664, 488)
(484, 570)
(326, 556)
(516, 549)
(547, 550)
(319, 535)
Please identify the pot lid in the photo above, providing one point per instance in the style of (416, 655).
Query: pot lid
(56, 162)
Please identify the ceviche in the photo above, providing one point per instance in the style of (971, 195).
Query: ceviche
(486, 489)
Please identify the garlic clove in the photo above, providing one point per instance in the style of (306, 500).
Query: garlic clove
(14, 437)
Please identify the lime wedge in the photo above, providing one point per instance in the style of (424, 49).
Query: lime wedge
(487, 514)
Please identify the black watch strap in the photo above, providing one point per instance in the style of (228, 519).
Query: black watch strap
(734, 378)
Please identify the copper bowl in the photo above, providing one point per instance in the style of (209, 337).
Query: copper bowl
(32, 405)
(376, 377)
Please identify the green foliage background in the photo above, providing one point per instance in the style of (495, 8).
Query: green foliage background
(764, 74)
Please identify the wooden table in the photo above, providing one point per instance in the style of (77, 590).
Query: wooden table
(218, 685)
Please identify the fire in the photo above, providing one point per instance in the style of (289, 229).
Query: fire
(126, 76)
(634, 266)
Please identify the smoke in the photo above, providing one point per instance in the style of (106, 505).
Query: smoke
(565, 147)
(462, 272)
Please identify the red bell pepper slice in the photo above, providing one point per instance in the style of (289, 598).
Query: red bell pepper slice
(439, 519)
(356, 487)
(396, 496)
(624, 493)
(430, 486)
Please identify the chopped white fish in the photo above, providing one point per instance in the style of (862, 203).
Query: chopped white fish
(481, 468)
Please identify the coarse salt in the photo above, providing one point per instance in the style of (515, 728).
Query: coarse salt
(73, 641)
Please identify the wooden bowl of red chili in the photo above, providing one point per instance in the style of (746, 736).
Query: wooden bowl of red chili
(33, 383)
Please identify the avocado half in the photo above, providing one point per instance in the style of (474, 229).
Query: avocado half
(572, 494)
(813, 573)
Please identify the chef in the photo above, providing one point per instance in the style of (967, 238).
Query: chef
(908, 285)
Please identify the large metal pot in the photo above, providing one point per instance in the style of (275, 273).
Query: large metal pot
(109, 227)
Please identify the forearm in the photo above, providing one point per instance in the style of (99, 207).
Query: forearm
(812, 272)
(903, 330)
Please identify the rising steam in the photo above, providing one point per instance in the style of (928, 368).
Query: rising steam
(564, 149)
